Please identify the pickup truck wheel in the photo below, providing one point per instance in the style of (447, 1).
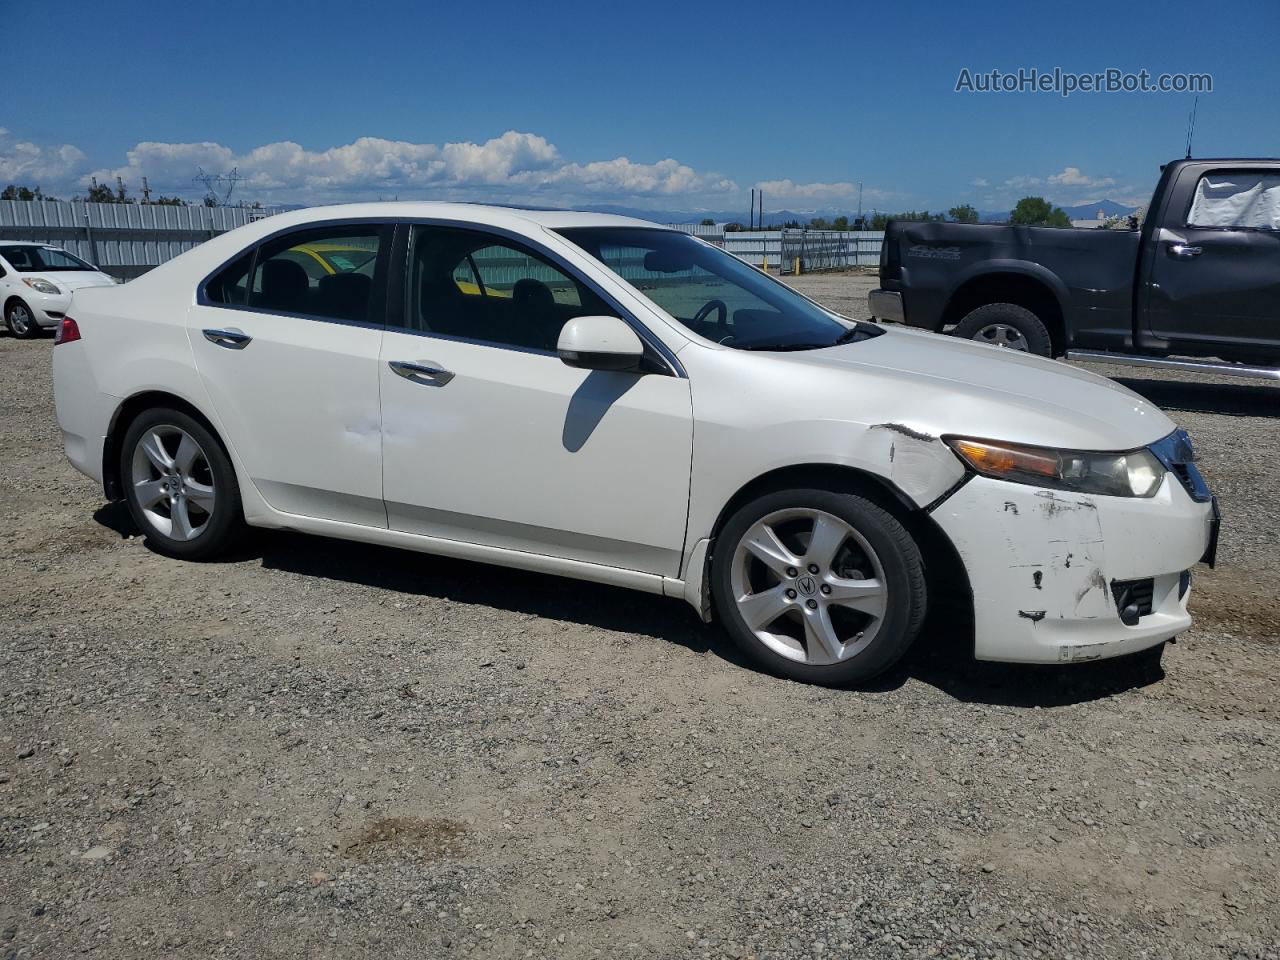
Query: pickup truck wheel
(1006, 325)
(817, 586)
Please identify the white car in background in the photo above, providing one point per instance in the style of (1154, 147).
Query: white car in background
(597, 397)
(36, 283)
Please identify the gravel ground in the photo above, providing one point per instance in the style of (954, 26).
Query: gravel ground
(329, 750)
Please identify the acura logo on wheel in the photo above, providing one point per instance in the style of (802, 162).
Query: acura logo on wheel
(807, 585)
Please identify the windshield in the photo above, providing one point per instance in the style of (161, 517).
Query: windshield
(41, 259)
(714, 294)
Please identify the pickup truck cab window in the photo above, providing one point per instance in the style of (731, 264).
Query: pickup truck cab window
(1246, 200)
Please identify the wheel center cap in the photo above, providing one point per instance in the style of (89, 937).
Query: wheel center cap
(807, 585)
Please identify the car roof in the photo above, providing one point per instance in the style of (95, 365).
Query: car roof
(28, 243)
(480, 213)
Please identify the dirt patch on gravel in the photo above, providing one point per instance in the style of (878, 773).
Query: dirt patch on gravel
(408, 837)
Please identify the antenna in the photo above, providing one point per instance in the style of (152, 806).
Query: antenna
(1191, 124)
(212, 181)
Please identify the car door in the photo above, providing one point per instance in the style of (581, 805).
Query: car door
(1215, 276)
(286, 341)
(489, 438)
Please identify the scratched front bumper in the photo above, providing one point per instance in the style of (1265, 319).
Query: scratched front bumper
(1041, 563)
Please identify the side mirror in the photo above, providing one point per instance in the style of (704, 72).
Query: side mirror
(600, 343)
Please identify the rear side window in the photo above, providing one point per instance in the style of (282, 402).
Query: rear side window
(1239, 201)
(330, 272)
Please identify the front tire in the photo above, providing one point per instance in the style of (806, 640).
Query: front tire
(21, 321)
(180, 485)
(820, 587)
(1006, 325)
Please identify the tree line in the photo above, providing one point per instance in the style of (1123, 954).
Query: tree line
(1029, 211)
(105, 193)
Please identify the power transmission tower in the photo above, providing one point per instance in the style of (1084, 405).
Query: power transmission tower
(213, 182)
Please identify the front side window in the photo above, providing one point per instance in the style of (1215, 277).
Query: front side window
(32, 259)
(329, 272)
(713, 293)
(474, 286)
(1239, 201)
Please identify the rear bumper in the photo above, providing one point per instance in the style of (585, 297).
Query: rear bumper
(1043, 566)
(84, 412)
(886, 305)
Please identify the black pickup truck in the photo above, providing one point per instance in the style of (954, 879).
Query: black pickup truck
(1199, 279)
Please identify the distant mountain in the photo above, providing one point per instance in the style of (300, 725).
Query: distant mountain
(1087, 211)
(774, 217)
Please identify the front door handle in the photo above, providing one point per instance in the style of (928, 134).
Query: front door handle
(231, 338)
(1184, 250)
(427, 374)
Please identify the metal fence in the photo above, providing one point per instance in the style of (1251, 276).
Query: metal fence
(124, 239)
(806, 251)
(780, 249)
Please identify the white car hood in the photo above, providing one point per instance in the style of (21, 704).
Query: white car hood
(944, 385)
(70, 280)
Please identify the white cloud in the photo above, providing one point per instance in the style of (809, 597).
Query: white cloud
(980, 182)
(1072, 177)
(33, 165)
(514, 167)
(1021, 183)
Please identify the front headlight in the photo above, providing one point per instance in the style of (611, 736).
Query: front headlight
(1135, 473)
(41, 286)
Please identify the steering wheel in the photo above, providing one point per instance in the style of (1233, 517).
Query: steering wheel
(710, 305)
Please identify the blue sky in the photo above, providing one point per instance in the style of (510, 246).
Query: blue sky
(659, 106)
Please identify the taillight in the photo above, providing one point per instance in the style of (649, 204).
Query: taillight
(68, 332)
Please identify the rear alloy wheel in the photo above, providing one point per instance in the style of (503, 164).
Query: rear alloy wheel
(180, 485)
(1006, 325)
(21, 321)
(817, 586)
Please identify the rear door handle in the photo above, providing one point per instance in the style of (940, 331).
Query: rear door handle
(231, 338)
(427, 373)
(1184, 250)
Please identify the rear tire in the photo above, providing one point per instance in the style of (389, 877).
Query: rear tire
(21, 321)
(1006, 325)
(180, 485)
(820, 587)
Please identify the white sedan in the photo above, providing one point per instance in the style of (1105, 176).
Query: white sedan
(36, 284)
(601, 398)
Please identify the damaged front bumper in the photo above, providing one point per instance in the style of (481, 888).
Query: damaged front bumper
(1053, 572)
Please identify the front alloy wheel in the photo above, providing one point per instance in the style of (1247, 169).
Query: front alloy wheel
(21, 321)
(808, 567)
(818, 586)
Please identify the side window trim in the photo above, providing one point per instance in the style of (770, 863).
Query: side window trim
(396, 319)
